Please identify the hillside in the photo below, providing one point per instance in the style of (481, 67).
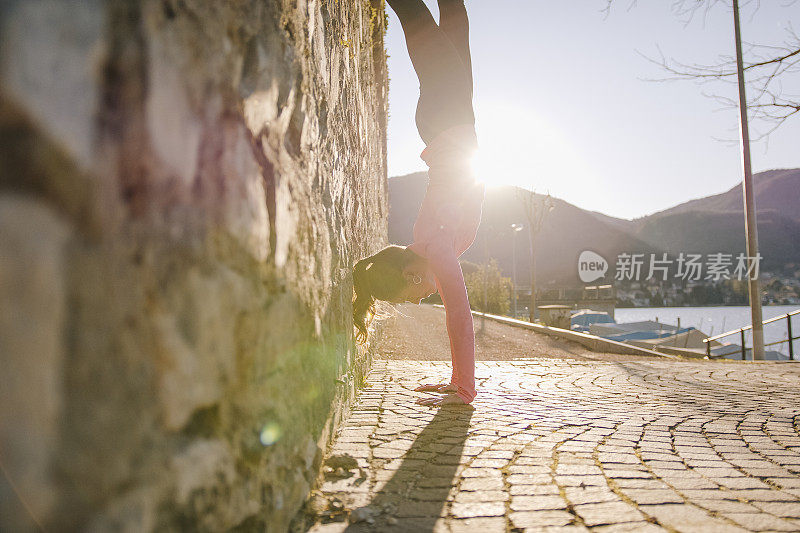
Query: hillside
(708, 232)
(716, 223)
(568, 231)
(704, 225)
(775, 190)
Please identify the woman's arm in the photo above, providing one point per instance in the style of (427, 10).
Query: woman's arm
(445, 266)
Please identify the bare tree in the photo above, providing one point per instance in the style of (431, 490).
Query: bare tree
(769, 69)
(536, 207)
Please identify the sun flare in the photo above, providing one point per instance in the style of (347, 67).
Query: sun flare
(518, 147)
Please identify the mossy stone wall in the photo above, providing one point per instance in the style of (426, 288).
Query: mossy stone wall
(184, 187)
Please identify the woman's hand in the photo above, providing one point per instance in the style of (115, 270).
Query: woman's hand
(450, 399)
(441, 388)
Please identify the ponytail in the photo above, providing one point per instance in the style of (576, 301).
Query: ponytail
(364, 301)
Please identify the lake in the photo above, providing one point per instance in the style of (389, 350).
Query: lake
(716, 320)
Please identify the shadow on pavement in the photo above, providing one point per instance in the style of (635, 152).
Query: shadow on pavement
(416, 495)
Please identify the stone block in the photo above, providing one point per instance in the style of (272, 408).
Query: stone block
(33, 318)
(52, 55)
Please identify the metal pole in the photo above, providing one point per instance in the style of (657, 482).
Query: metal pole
(789, 330)
(532, 310)
(514, 269)
(485, 280)
(749, 198)
(744, 350)
(486, 287)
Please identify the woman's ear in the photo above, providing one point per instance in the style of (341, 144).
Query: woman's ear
(412, 274)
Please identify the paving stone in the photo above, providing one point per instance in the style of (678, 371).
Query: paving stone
(726, 506)
(482, 472)
(672, 466)
(529, 479)
(741, 483)
(482, 496)
(408, 509)
(630, 527)
(640, 483)
(581, 481)
(763, 495)
(782, 480)
(482, 483)
(527, 469)
(397, 475)
(617, 458)
(558, 445)
(432, 481)
(595, 514)
(782, 509)
(529, 519)
(577, 469)
(484, 525)
(652, 496)
(761, 522)
(558, 529)
(475, 509)
(497, 454)
(524, 459)
(627, 474)
(407, 525)
(685, 517)
(534, 490)
(489, 463)
(471, 451)
(536, 503)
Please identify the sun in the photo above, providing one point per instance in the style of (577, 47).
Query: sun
(518, 147)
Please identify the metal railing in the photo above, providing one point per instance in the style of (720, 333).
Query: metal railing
(790, 339)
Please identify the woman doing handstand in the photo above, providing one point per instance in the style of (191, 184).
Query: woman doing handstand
(451, 209)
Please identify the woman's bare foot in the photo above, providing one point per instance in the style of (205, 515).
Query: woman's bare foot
(450, 399)
(441, 388)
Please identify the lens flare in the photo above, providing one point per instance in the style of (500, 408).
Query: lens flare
(270, 433)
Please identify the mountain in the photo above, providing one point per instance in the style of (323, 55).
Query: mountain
(704, 225)
(568, 230)
(775, 190)
(716, 223)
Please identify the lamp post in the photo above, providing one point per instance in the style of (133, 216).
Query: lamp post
(751, 233)
(485, 309)
(516, 228)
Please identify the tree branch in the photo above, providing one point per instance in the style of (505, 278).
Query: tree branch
(766, 68)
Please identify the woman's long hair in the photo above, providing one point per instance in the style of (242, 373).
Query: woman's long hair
(377, 277)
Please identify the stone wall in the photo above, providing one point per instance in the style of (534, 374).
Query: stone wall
(184, 186)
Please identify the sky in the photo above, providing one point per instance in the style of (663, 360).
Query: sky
(564, 103)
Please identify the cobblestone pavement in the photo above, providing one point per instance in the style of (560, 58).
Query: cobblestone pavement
(570, 446)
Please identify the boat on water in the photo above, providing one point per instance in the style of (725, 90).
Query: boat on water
(653, 335)
(583, 319)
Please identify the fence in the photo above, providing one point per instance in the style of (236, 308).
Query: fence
(741, 331)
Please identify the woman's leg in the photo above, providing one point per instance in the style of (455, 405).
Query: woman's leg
(454, 23)
(419, 29)
(445, 84)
